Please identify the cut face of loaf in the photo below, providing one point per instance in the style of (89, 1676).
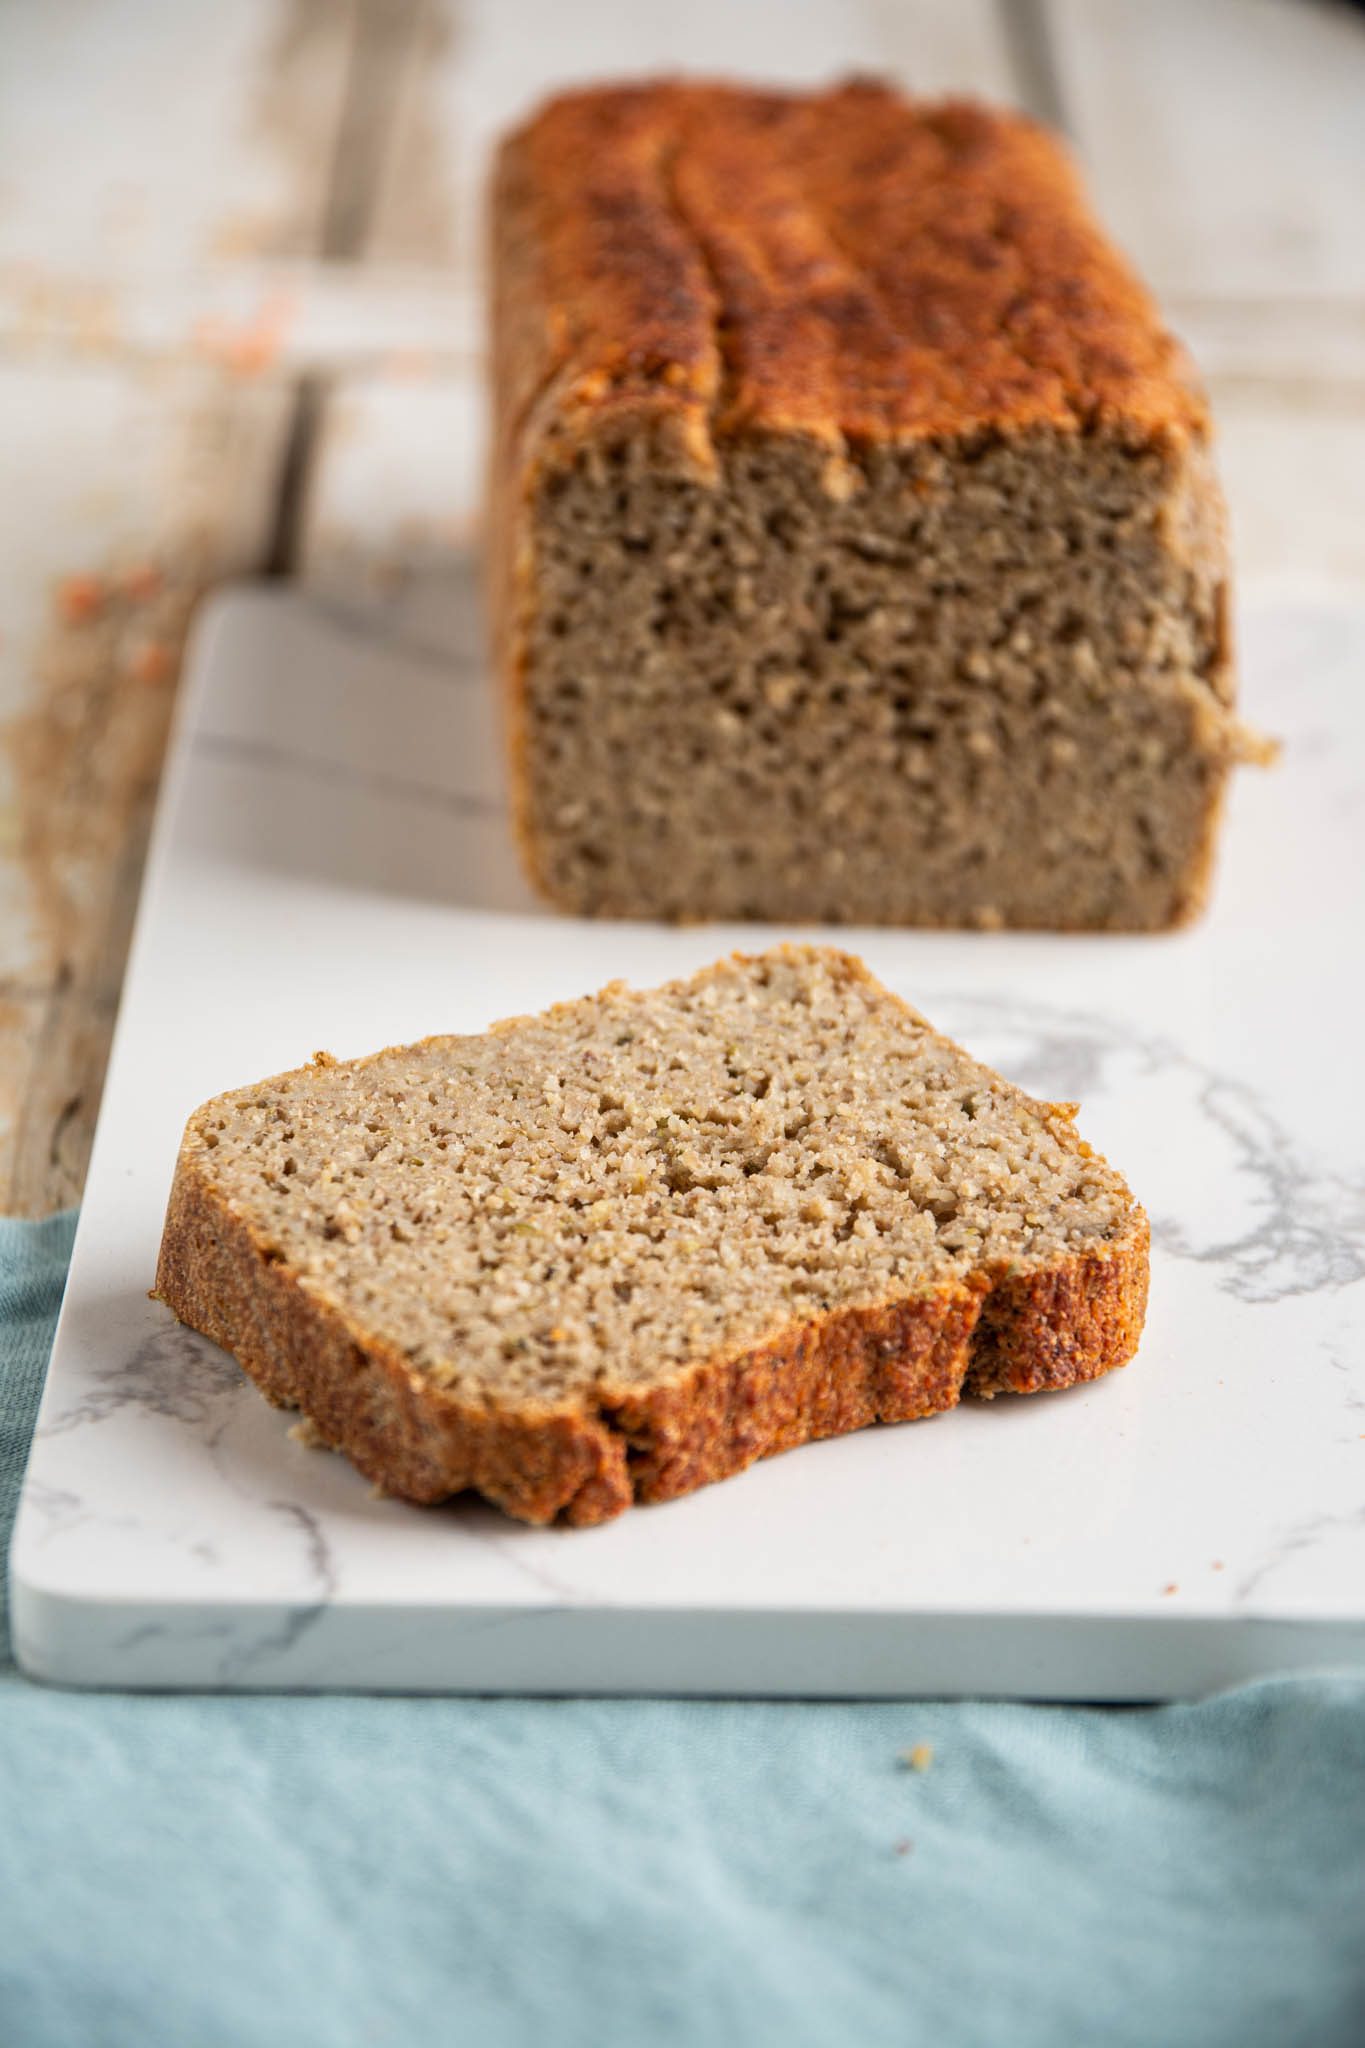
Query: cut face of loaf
(617, 1251)
(857, 554)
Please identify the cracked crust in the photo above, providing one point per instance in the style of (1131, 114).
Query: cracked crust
(840, 1372)
(722, 260)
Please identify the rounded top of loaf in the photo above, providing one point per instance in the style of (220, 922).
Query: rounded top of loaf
(847, 266)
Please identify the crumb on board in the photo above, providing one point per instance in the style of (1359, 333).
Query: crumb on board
(152, 662)
(306, 1432)
(1172, 1588)
(919, 1758)
(80, 598)
(141, 582)
(250, 347)
(904, 1846)
(1217, 1565)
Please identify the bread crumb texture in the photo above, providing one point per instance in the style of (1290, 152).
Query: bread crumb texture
(631, 1245)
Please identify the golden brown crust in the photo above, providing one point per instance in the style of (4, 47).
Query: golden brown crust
(1042, 1331)
(893, 1362)
(896, 1362)
(848, 265)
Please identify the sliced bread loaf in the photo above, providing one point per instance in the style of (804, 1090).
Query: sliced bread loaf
(857, 551)
(622, 1249)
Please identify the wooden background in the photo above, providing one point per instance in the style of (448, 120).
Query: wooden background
(240, 334)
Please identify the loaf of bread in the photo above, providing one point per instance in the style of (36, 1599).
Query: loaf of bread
(617, 1251)
(856, 551)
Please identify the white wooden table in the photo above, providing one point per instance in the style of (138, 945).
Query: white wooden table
(240, 334)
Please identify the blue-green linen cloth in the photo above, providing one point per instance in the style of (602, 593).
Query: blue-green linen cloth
(200, 1871)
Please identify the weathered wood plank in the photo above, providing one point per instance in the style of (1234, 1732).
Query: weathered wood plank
(141, 143)
(218, 170)
(1276, 342)
(470, 74)
(1293, 464)
(1225, 140)
(295, 318)
(138, 491)
(397, 478)
(167, 173)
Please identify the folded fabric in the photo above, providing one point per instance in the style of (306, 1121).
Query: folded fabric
(341, 1871)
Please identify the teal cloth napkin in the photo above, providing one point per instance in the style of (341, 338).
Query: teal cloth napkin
(357, 1872)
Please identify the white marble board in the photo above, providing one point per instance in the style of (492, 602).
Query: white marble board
(331, 868)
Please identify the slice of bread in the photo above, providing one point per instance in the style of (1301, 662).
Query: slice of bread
(614, 1252)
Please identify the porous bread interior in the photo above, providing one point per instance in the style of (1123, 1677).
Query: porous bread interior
(593, 1199)
(973, 684)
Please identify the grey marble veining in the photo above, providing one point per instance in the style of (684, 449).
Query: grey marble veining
(171, 1372)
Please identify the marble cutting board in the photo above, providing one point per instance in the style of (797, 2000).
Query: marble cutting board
(331, 868)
